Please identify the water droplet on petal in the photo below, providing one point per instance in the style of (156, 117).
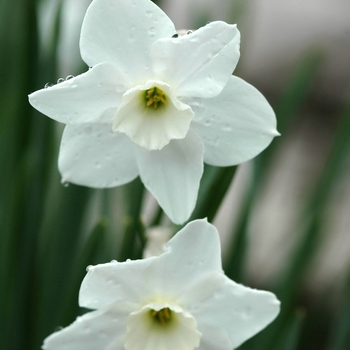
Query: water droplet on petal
(247, 313)
(175, 35)
(128, 260)
(114, 261)
(47, 85)
(88, 130)
(227, 127)
(151, 32)
(120, 88)
(207, 122)
(65, 184)
(68, 77)
(88, 268)
(189, 32)
(149, 13)
(60, 80)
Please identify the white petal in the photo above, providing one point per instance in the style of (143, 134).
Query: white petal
(173, 174)
(199, 275)
(131, 283)
(149, 127)
(126, 284)
(240, 311)
(234, 126)
(214, 338)
(92, 96)
(144, 333)
(93, 155)
(121, 32)
(94, 330)
(197, 246)
(198, 64)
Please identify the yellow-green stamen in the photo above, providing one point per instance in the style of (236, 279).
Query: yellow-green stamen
(155, 97)
(163, 316)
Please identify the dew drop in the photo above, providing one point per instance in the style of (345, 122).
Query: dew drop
(65, 184)
(227, 127)
(120, 88)
(247, 313)
(189, 32)
(58, 328)
(88, 268)
(175, 35)
(114, 261)
(128, 260)
(149, 13)
(60, 80)
(88, 130)
(47, 85)
(207, 122)
(68, 77)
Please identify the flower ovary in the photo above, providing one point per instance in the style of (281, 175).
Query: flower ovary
(162, 316)
(155, 97)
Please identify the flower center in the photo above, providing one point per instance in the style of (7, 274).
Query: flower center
(163, 316)
(151, 115)
(161, 326)
(155, 97)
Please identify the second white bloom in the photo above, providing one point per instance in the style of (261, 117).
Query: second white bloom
(179, 300)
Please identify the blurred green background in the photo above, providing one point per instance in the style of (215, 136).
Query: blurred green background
(284, 220)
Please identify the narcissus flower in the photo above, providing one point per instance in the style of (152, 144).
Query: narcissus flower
(180, 300)
(155, 105)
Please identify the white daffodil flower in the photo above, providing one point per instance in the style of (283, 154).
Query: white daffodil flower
(155, 105)
(179, 300)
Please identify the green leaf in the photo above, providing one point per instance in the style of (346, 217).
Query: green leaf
(213, 188)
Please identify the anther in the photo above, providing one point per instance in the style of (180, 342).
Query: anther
(155, 97)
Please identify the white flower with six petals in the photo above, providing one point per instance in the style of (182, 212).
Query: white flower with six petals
(155, 106)
(180, 300)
